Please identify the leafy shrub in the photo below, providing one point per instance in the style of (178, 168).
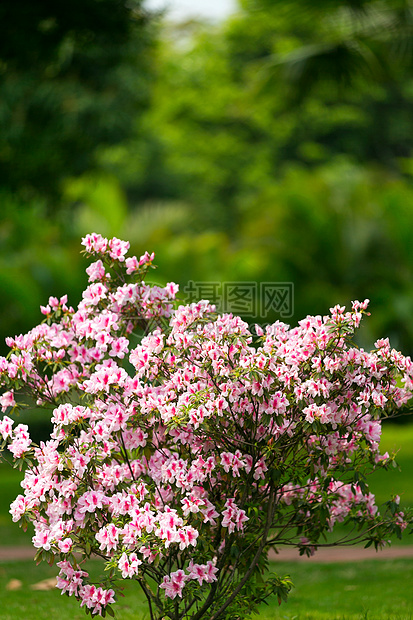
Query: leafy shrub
(184, 465)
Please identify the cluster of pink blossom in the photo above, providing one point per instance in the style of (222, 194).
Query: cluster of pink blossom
(70, 580)
(174, 583)
(18, 437)
(217, 440)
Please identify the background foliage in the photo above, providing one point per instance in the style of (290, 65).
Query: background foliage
(273, 147)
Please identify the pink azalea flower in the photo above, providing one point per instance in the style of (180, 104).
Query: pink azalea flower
(7, 400)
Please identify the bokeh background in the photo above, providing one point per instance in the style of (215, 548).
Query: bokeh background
(270, 142)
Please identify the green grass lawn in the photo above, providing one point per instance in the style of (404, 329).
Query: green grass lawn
(371, 590)
(385, 483)
(374, 590)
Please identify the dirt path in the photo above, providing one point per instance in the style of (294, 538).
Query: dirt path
(325, 555)
(344, 554)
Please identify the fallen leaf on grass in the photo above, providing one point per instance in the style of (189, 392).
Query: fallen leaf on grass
(14, 584)
(46, 584)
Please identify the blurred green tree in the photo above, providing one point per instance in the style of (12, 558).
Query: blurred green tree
(286, 136)
(279, 83)
(73, 77)
(277, 147)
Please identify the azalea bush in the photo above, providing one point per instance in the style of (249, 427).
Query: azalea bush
(185, 446)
